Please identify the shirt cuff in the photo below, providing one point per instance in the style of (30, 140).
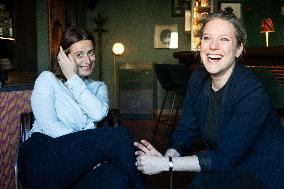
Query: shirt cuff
(74, 82)
(76, 85)
(178, 147)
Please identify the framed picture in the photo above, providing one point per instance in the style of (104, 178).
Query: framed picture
(234, 7)
(162, 35)
(179, 7)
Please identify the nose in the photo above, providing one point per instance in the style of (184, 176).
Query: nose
(214, 44)
(89, 59)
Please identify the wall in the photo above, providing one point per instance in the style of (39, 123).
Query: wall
(42, 35)
(132, 22)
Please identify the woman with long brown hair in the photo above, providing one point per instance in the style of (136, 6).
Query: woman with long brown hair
(65, 148)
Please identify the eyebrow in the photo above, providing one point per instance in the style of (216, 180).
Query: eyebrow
(84, 51)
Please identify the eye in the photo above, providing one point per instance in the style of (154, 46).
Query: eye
(79, 54)
(225, 39)
(91, 52)
(205, 38)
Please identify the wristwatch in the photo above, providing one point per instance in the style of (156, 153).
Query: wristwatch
(171, 164)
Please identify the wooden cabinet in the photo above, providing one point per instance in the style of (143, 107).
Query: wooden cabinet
(7, 38)
(18, 41)
(137, 90)
(32, 28)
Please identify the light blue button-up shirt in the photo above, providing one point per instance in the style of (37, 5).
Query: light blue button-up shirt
(61, 108)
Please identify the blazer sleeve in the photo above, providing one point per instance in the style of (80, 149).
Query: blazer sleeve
(188, 128)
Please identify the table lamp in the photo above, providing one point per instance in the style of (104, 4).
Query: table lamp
(117, 49)
(266, 26)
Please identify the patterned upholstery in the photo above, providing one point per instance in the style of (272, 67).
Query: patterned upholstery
(12, 104)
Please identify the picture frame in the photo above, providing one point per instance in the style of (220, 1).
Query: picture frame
(179, 7)
(234, 7)
(162, 35)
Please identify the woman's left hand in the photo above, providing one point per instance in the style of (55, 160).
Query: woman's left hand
(150, 165)
(146, 147)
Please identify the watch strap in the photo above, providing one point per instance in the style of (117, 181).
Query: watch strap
(171, 164)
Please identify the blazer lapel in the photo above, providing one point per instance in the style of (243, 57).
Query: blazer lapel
(203, 101)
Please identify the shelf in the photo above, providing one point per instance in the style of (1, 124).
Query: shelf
(199, 12)
(201, 9)
(12, 38)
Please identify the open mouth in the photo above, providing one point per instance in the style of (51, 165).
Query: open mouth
(85, 68)
(214, 57)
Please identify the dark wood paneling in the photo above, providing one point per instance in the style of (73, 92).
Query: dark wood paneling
(268, 57)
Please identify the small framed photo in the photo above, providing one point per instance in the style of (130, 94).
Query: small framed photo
(179, 7)
(162, 35)
(233, 7)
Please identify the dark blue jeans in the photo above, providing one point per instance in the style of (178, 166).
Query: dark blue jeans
(68, 161)
(238, 178)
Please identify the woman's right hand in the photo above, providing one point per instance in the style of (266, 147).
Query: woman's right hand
(146, 147)
(150, 164)
(66, 63)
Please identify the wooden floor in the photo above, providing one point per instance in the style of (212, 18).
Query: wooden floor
(144, 129)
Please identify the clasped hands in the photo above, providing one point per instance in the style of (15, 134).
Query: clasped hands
(66, 63)
(149, 160)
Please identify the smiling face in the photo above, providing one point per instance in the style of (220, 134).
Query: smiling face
(218, 48)
(83, 53)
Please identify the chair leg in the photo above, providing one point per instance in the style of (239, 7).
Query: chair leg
(159, 116)
(171, 113)
(178, 108)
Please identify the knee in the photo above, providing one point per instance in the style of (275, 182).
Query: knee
(114, 176)
(120, 180)
(122, 135)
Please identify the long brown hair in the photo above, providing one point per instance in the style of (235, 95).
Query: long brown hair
(71, 35)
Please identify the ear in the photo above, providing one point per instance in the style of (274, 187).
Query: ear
(239, 50)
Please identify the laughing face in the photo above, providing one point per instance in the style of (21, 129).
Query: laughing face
(219, 48)
(83, 53)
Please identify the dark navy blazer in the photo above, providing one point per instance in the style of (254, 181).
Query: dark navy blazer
(250, 132)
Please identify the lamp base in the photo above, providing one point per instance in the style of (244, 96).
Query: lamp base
(266, 38)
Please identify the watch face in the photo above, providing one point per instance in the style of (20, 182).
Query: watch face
(171, 164)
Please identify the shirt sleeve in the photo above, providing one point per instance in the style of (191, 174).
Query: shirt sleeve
(92, 98)
(43, 106)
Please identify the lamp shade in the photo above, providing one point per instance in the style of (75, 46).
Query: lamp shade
(266, 26)
(118, 48)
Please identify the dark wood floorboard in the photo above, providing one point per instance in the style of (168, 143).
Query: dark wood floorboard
(144, 129)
